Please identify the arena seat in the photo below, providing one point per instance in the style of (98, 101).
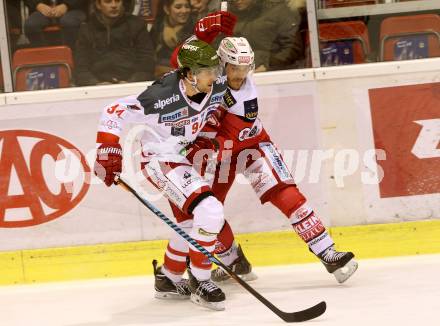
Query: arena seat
(42, 68)
(343, 43)
(410, 37)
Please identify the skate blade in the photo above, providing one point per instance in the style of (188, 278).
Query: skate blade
(249, 277)
(344, 273)
(170, 296)
(218, 306)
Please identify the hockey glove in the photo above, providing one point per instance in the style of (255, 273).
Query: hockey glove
(207, 28)
(108, 162)
(209, 145)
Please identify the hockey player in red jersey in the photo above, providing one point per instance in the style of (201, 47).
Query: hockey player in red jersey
(243, 146)
(246, 148)
(174, 109)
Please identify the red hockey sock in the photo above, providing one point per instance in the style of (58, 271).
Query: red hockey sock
(200, 264)
(175, 259)
(287, 200)
(225, 239)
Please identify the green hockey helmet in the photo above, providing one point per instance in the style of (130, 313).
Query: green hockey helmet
(197, 55)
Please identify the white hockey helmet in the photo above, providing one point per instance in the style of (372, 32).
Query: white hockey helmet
(236, 51)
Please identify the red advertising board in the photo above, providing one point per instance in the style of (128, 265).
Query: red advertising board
(28, 165)
(406, 125)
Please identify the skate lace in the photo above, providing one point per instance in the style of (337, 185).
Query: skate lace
(181, 286)
(332, 255)
(207, 286)
(219, 272)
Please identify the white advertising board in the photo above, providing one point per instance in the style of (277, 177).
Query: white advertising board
(44, 143)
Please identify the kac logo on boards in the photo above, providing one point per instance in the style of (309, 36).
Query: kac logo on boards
(36, 180)
(406, 124)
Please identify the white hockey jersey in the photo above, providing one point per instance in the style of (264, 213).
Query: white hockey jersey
(170, 118)
(238, 121)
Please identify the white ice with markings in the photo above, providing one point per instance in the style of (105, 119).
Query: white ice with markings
(391, 291)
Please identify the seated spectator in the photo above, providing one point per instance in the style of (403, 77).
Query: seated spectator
(173, 25)
(201, 8)
(67, 13)
(272, 29)
(13, 13)
(14, 21)
(113, 47)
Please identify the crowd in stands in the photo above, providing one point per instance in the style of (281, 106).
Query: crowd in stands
(112, 42)
(119, 41)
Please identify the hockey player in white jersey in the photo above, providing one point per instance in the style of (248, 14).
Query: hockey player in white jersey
(237, 124)
(175, 109)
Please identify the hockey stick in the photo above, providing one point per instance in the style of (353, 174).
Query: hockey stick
(289, 317)
(224, 6)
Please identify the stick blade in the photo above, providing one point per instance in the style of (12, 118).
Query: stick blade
(304, 315)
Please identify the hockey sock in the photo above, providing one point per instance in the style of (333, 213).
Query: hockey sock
(229, 256)
(303, 219)
(200, 264)
(225, 246)
(225, 239)
(175, 257)
(310, 228)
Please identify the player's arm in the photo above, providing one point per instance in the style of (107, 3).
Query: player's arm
(113, 121)
(208, 28)
(208, 138)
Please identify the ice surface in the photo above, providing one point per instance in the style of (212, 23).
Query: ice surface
(392, 291)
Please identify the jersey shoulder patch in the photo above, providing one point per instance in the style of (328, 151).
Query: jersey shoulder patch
(161, 94)
(251, 109)
(230, 101)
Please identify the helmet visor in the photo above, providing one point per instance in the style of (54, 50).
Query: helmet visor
(208, 72)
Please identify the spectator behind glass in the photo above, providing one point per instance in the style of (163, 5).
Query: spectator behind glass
(13, 11)
(201, 8)
(68, 13)
(272, 29)
(113, 47)
(173, 25)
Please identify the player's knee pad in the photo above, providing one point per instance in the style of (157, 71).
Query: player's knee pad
(208, 217)
(288, 199)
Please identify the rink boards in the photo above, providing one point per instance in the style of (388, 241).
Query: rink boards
(262, 249)
(340, 135)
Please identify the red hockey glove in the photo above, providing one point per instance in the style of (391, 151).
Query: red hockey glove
(108, 162)
(207, 28)
(201, 143)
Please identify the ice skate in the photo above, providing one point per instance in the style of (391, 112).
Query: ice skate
(240, 266)
(166, 288)
(341, 264)
(206, 293)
